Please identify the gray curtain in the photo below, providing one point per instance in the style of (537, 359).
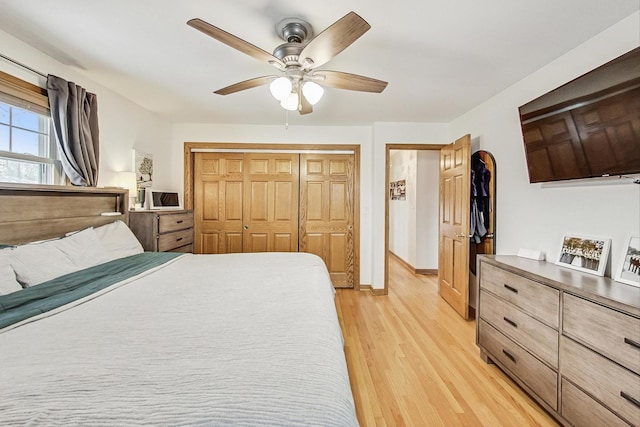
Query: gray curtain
(75, 120)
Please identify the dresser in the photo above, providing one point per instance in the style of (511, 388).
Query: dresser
(163, 231)
(569, 339)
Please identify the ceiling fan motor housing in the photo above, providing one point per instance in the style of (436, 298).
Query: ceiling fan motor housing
(295, 32)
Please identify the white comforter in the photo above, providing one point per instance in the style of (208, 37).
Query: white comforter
(246, 339)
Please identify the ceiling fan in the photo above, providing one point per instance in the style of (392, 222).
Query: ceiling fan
(300, 85)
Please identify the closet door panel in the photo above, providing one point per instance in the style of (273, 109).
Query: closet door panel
(327, 213)
(271, 205)
(218, 200)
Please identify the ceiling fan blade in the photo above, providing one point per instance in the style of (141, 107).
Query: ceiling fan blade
(304, 106)
(247, 84)
(333, 40)
(349, 81)
(235, 42)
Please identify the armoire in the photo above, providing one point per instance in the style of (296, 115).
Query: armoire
(249, 198)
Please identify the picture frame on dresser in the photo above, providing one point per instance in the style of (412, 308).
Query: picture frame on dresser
(584, 253)
(629, 266)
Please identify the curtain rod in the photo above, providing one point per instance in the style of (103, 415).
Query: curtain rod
(23, 66)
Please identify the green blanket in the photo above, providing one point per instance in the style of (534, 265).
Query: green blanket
(52, 294)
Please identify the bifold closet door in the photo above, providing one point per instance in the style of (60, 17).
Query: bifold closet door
(270, 215)
(327, 213)
(218, 202)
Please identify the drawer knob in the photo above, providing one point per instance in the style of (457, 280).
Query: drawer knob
(511, 322)
(509, 355)
(624, 395)
(511, 288)
(632, 343)
(180, 222)
(178, 239)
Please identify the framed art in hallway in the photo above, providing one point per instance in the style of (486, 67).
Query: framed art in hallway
(629, 268)
(584, 253)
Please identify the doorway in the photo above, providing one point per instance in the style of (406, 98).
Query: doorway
(435, 148)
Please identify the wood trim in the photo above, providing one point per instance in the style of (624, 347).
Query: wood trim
(189, 158)
(411, 268)
(23, 90)
(387, 158)
(378, 292)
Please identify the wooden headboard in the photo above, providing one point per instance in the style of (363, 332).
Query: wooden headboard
(36, 212)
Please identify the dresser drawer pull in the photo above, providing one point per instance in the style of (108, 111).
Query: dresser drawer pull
(178, 239)
(632, 343)
(509, 355)
(511, 322)
(511, 288)
(630, 399)
(180, 222)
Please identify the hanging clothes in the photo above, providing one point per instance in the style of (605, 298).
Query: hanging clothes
(480, 203)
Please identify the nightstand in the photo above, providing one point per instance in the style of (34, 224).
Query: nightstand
(163, 231)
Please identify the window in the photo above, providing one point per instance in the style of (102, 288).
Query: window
(28, 151)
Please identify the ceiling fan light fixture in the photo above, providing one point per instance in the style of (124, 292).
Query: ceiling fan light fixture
(312, 92)
(281, 88)
(290, 102)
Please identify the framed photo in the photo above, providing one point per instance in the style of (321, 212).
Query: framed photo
(629, 268)
(588, 254)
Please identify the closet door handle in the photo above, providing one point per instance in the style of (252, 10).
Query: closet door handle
(631, 399)
(511, 322)
(632, 343)
(511, 288)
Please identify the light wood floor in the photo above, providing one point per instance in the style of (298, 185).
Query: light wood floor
(414, 362)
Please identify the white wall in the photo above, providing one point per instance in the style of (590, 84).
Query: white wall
(123, 124)
(402, 214)
(427, 203)
(413, 223)
(536, 216)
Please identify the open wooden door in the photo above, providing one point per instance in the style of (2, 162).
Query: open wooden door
(453, 247)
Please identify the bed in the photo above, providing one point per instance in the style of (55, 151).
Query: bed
(165, 339)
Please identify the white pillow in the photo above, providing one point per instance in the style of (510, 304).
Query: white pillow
(83, 249)
(37, 263)
(8, 282)
(118, 240)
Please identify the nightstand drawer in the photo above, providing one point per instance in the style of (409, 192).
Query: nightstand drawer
(172, 222)
(603, 379)
(541, 301)
(581, 410)
(169, 241)
(541, 379)
(532, 334)
(611, 333)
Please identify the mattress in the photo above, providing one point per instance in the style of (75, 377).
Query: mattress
(238, 339)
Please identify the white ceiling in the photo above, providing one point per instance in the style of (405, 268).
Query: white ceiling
(441, 58)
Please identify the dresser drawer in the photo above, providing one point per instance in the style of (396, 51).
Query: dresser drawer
(172, 222)
(537, 299)
(169, 241)
(601, 378)
(541, 379)
(581, 410)
(607, 331)
(532, 334)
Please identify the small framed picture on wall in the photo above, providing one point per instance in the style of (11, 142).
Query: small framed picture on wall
(583, 253)
(629, 267)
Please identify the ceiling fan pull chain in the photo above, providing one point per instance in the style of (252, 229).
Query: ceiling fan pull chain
(286, 119)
